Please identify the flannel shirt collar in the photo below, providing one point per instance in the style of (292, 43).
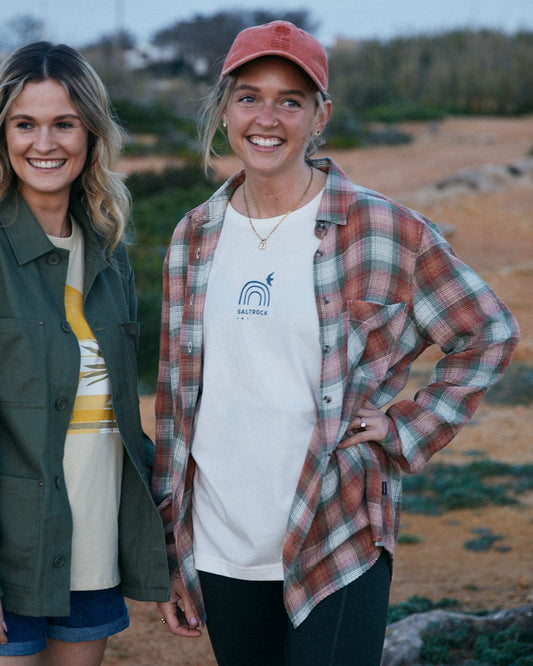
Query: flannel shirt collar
(333, 207)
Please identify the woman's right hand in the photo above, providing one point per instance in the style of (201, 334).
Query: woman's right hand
(370, 425)
(180, 621)
(3, 627)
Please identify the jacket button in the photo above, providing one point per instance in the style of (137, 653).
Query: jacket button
(59, 483)
(53, 259)
(59, 561)
(66, 327)
(61, 404)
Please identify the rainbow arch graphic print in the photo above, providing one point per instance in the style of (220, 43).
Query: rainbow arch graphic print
(255, 293)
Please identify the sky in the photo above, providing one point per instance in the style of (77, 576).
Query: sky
(78, 22)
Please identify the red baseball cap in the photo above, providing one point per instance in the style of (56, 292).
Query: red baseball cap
(279, 38)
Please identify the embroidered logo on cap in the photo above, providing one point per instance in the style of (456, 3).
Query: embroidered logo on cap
(282, 37)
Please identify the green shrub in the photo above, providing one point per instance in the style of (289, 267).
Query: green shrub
(345, 130)
(172, 134)
(467, 645)
(145, 184)
(442, 487)
(417, 604)
(458, 71)
(150, 118)
(484, 541)
(514, 388)
(409, 539)
(160, 201)
(511, 647)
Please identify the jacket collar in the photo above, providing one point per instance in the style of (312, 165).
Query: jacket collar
(27, 239)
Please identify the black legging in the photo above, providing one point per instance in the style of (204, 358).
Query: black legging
(248, 625)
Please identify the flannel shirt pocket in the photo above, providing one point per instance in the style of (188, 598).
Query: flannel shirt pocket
(372, 337)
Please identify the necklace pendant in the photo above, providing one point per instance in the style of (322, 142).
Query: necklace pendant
(263, 245)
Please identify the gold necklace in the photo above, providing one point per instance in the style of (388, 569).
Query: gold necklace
(263, 241)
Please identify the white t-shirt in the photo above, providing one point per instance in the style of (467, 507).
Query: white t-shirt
(93, 453)
(259, 393)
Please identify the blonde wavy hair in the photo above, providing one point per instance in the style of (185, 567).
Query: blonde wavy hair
(103, 193)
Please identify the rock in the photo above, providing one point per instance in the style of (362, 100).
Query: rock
(487, 178)
(404, 639)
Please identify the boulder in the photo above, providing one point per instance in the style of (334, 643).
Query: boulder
(404, 638)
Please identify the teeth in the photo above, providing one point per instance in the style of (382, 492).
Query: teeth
(267, 143)
(47, 164)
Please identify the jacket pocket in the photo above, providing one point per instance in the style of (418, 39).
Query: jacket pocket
(21, 500)
(23, 366)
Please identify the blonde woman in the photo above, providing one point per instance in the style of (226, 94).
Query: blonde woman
(78, 528)
(294, 304)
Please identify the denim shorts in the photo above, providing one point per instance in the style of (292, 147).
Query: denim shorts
(93, 615)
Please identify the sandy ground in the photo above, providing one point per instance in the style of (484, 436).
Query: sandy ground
(494, 234)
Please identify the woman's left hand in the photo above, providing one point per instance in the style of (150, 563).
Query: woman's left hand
(370, 425)
(182, 622)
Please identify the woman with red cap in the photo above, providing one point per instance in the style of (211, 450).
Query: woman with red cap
(294, 304)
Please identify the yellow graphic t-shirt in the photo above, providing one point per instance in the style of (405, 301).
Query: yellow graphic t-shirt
(93, 408)
(93, 454)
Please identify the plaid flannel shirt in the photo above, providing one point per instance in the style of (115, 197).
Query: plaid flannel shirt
(387, 286)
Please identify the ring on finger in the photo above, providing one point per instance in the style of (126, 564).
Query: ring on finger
(363, 425)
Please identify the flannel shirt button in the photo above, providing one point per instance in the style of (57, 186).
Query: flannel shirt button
(319, 253)
(321, 226)
(325, 300)
(327, 349)
(327, 398)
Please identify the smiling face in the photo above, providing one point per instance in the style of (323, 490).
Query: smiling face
(46, 141)
(271, 116)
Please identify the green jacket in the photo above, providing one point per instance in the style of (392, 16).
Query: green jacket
(39, 372)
